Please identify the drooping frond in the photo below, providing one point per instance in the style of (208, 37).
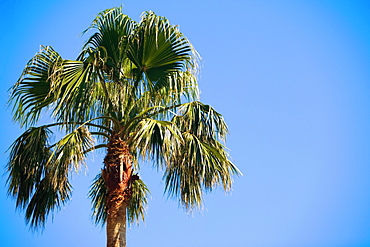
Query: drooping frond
(136, 208)
(201, 120)
(137, 204)
(70, 150)
(181, 84)
(200, 162)
(53, 191)
(153, 138)
(29, 154)
(69, 85)
(198, 165)
(189, 147)
(38, 183)
(39, 171)
(98, 196)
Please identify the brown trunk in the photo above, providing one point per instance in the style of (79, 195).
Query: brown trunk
(117, 176)
(116, 228)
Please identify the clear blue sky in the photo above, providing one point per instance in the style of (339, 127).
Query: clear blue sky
(292, 79)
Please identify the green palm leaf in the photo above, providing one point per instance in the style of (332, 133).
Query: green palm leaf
(37, 182)
(75, 91)
(200, 162)
(157, 49)
(196, 166)
(39, 171)
(31, 94)
(48, 196)
(29, 154)
(154, 138)
(137, 206)
(70, 150)
(114, 29)
(98, 196)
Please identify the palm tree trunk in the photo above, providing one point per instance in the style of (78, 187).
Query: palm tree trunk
(116, 228)
(117, 176)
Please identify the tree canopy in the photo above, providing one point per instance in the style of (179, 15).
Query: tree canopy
(133, 91)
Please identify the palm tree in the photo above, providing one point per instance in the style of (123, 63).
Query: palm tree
(132, 91)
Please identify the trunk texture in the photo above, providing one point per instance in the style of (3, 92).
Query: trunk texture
(116, 227)
(117, 175)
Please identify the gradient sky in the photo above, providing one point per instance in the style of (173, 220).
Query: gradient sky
(292, 81)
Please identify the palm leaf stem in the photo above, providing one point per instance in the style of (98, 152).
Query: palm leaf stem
(95, 147)
(105, 90)
(81, 124)
(141, 115)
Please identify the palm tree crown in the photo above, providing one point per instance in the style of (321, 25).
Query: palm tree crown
(132, 91)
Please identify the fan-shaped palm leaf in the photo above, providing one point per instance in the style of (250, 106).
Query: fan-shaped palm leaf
(31, 94)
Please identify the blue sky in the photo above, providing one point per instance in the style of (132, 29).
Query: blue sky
(292, 81)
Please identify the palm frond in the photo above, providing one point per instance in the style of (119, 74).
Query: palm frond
(70, 150)
(136, 208)
(98, 195)
(38, 183)
(197, 166)
(114, 29)
(31, 94)
(158, 49)
(201, 120)
(181, 84)
(200, 162)
(53, 191)
(29, 154)
(76, 92)
(158, 44)
(154, 138)
(137, 205)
